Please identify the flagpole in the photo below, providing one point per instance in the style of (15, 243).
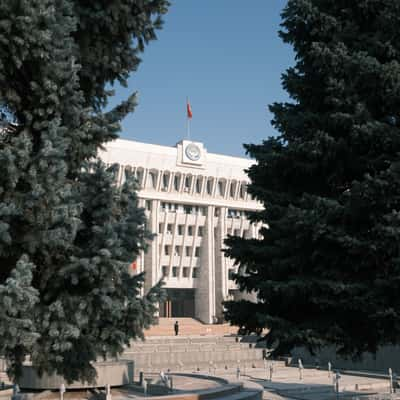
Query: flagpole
(187, 121)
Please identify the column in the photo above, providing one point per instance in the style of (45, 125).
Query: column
(151, 256)
(221, 273)
(205, 294)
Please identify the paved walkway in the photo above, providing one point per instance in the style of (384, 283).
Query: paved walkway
(285, 385)
(314, 385)
(182, 384)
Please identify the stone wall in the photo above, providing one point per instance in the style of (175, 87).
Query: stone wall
(114, 373)
(387, 357)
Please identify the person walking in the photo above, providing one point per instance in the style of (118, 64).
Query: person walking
(176, 328)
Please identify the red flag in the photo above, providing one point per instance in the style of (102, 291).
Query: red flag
(134, 266)
(189, 110)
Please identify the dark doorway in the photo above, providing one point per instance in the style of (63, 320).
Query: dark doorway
(179, 303)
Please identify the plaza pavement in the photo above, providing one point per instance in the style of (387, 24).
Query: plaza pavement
(285, 385)
(314, 385)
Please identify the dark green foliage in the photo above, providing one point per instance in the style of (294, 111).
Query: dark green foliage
(67, 233)
(327, 270)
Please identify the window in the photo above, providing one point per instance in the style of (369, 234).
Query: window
(177, 180)
(233, 213)
(190, 230)
(194, 272)
(185, 272)
(164, 270)
(166, 250)
(148, 205)
(174, 272)
(221, 188)
(200, 210)
(165, 182)
(181, 229)
(169, 207)
(236, 232)
(231, 272)
(139, 175)
(209, 186)
(197, 252)
(246, 233)
(216, 212)
(177, 251)
(188, 209)
(188, 251)
(200, 231)
(152, 180)
(188, 181)
(169, 229)
(160, 228)
(232, 189)
(198, 185)
(242, 190)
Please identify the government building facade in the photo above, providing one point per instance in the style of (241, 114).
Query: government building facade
(193, 199)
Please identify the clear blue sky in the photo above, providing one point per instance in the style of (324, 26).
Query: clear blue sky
(227, 57)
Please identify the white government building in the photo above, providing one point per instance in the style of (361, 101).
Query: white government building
(193, 199)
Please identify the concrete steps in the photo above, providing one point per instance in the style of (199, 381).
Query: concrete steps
(188, 327)
(188, 340)
(195, 353)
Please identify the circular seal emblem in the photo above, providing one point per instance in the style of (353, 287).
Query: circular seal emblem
(193, 152)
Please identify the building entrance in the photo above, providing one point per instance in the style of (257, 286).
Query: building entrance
(179, 303)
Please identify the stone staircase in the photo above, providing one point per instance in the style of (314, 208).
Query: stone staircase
(196, 353)
(188, 327)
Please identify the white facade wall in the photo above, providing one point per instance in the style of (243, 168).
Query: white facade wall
(193, 199)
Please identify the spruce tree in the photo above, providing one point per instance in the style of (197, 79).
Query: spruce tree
(67, 233)
(327, 268)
